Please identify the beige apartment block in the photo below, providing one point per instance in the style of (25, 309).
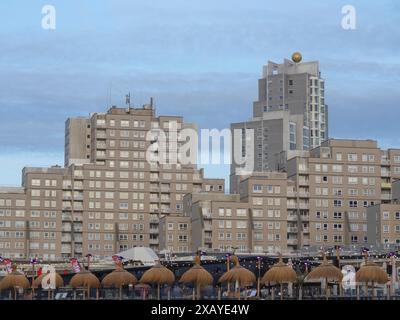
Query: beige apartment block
(253, 221)
(339, 181)
(384, 224)
(108, 198)
(175, 234)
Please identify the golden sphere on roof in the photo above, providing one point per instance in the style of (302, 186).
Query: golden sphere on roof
(296, 57)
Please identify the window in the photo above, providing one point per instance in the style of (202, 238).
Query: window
(35, 182)
(338, 156)
(385, 215)
(124, 123)
(352, 157)
(292, 136)
(352, 180)
(337, 203)
(257, 188)
(241, 212)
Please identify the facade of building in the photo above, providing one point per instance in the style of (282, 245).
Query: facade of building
(290, 115)
(111, 194)
(252, 221)
(384, 224)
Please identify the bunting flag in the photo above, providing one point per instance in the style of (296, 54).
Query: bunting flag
(117, 260)
(75, 265)
(8, 264)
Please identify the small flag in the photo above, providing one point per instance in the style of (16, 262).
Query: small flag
(75, 265)
(117, 260)
(8, 264)
(33, 261)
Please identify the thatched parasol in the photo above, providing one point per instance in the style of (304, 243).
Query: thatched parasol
(198, 276)
(84, 279)
(327, 271)
(238, 274)
(118, 278)
(280, 273)
(14, 280)
(371, 272)
(158, 274)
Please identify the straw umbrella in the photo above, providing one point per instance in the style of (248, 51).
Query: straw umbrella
(280, 273)
(36, 283)
(119, 278)
(238, 274)
(159, 275)
(198, 276)
(85, 279)
(13, 280)
(327, 271)
(370, 271)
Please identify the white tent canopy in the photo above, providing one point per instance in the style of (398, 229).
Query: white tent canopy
(143, 254)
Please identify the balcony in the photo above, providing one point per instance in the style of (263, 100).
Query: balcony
(291, 205)
(303, 182)
(386, 185)
(386, 196)
(67, 186)
(292, 242)
(304, 217)
(153, 241)
(154, 210)
(291, 194)
(154, 230)
(165, 210)
(66, 217)
(292, 217)
(385, 174)
(165, 199)
(304, 194)
(292, 229)
(78, 249)
(304, 206)
(154, 199)
(66, 239)
(306, 230)
(207, 216)
(66, 249)
(154, 188)
(154, 220)
(78, 239)
(306, 242)
(67, 207)
(207, 240)
(385, 161)
(208, 227)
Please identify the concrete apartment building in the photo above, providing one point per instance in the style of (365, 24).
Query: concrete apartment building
(338, 181)
(384, 220)
(108, 198)
(290, 115)
(252, 221)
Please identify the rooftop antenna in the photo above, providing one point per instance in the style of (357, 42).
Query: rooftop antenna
(128, 99)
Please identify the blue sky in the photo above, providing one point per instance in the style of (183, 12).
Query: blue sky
(199, 59)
